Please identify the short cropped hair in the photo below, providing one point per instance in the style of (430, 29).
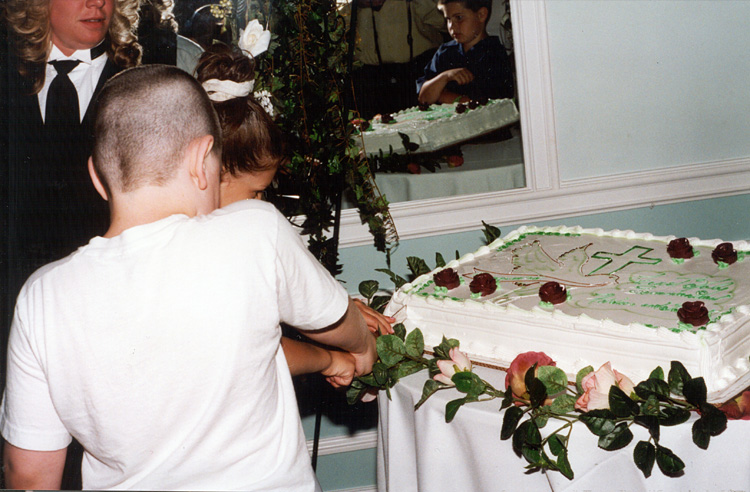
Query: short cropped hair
(29, 25)
(473, 5)
(252, 141)
(146, 117)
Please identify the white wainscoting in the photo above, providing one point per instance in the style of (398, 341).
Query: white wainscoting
(345, 444)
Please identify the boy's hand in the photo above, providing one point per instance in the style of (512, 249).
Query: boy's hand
(461, 76)
(377, 323)
(340, 372)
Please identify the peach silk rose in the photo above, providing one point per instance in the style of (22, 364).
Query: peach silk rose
(596, 387)
(739, 408)
(515, 377)
(457, 363)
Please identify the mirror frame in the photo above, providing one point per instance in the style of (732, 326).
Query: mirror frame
(545, 196)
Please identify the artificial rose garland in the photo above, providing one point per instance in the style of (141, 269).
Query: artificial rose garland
(458, 363)
(515, 378)
(596, 386)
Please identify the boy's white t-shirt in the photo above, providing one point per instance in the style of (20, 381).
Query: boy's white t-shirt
(159, 351)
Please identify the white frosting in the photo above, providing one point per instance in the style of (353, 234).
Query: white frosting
(438, 127)
(624, 292)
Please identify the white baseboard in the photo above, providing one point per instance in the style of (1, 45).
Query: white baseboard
(345, 444)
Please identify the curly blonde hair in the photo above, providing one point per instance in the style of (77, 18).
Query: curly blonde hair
(29, 25)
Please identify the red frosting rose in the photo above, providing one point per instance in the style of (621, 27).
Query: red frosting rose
(694, 313)
(725, 253)
(680, 248)
(460, 108)
(553, 292)
(447, 278)
(484, 283)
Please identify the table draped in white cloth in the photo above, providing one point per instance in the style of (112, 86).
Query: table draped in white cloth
(419, 451)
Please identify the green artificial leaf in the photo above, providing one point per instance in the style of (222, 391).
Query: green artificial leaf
(429, 389)
(510, 421)
(715, 421)
(439, 261)
(490, 232)
(556, 444)
(405, 368)
(617, 439)
(540, 419)
(701, 436)
(657, 373)
(694, 391)
(355, 391)
(678, 376)
(599, 422)
(620, 404)
(379, 302)
(400, 330)
(650, 422)
(669, 463)
(442, 351)
(414, 343)
(398, 281)
(469, 383)
(380, 373)
(563, 404)
(655, 387)
(452, 407)
(579, 377)
(368, 288)
(644, 456)
(417, 266)
(650, 406)
(554, 379)
(537, 392)
(564, 465)
(526, 434)
(671, 416)
(533, 454)
(391, 349)
(507, 399)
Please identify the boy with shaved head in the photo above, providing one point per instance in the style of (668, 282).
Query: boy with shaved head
(157, 345)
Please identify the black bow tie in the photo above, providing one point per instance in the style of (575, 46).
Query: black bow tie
(99, 50)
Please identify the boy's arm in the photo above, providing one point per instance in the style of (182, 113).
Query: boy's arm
(350, 333)
(433, 90)
(26, 469)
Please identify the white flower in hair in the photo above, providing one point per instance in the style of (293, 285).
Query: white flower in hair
(264, 99)
(254, 39)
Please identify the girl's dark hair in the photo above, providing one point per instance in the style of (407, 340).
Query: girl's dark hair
(252, 142)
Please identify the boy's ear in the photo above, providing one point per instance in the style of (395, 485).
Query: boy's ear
(197, 153)
(100, 188)
(483, 13)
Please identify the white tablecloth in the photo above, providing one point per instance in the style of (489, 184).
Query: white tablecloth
(419, 451)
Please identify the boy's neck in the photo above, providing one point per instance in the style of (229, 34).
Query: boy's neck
(467, 46)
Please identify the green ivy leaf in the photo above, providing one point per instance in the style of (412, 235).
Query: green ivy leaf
(490, 232)
(563, 404)
(379, 302)
(469, 383)
(414, 343)
(669, 463)
(417, 266)
(554, 379)
(368, 288)
(510, 421)
(657, 373)
(439, 261)
(579, 377)
(644, 456)
(398, 281)
(599, 422)
(391, 349)
(617, 439)
(650, 422)
(694, 391)
(620, 404)
(355, 391)
(429, 389)
(678, 376)
(380, 373)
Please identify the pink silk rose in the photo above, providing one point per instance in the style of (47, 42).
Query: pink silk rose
(596, 387)
(457, 363)
(739, 408)
(515, 377)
